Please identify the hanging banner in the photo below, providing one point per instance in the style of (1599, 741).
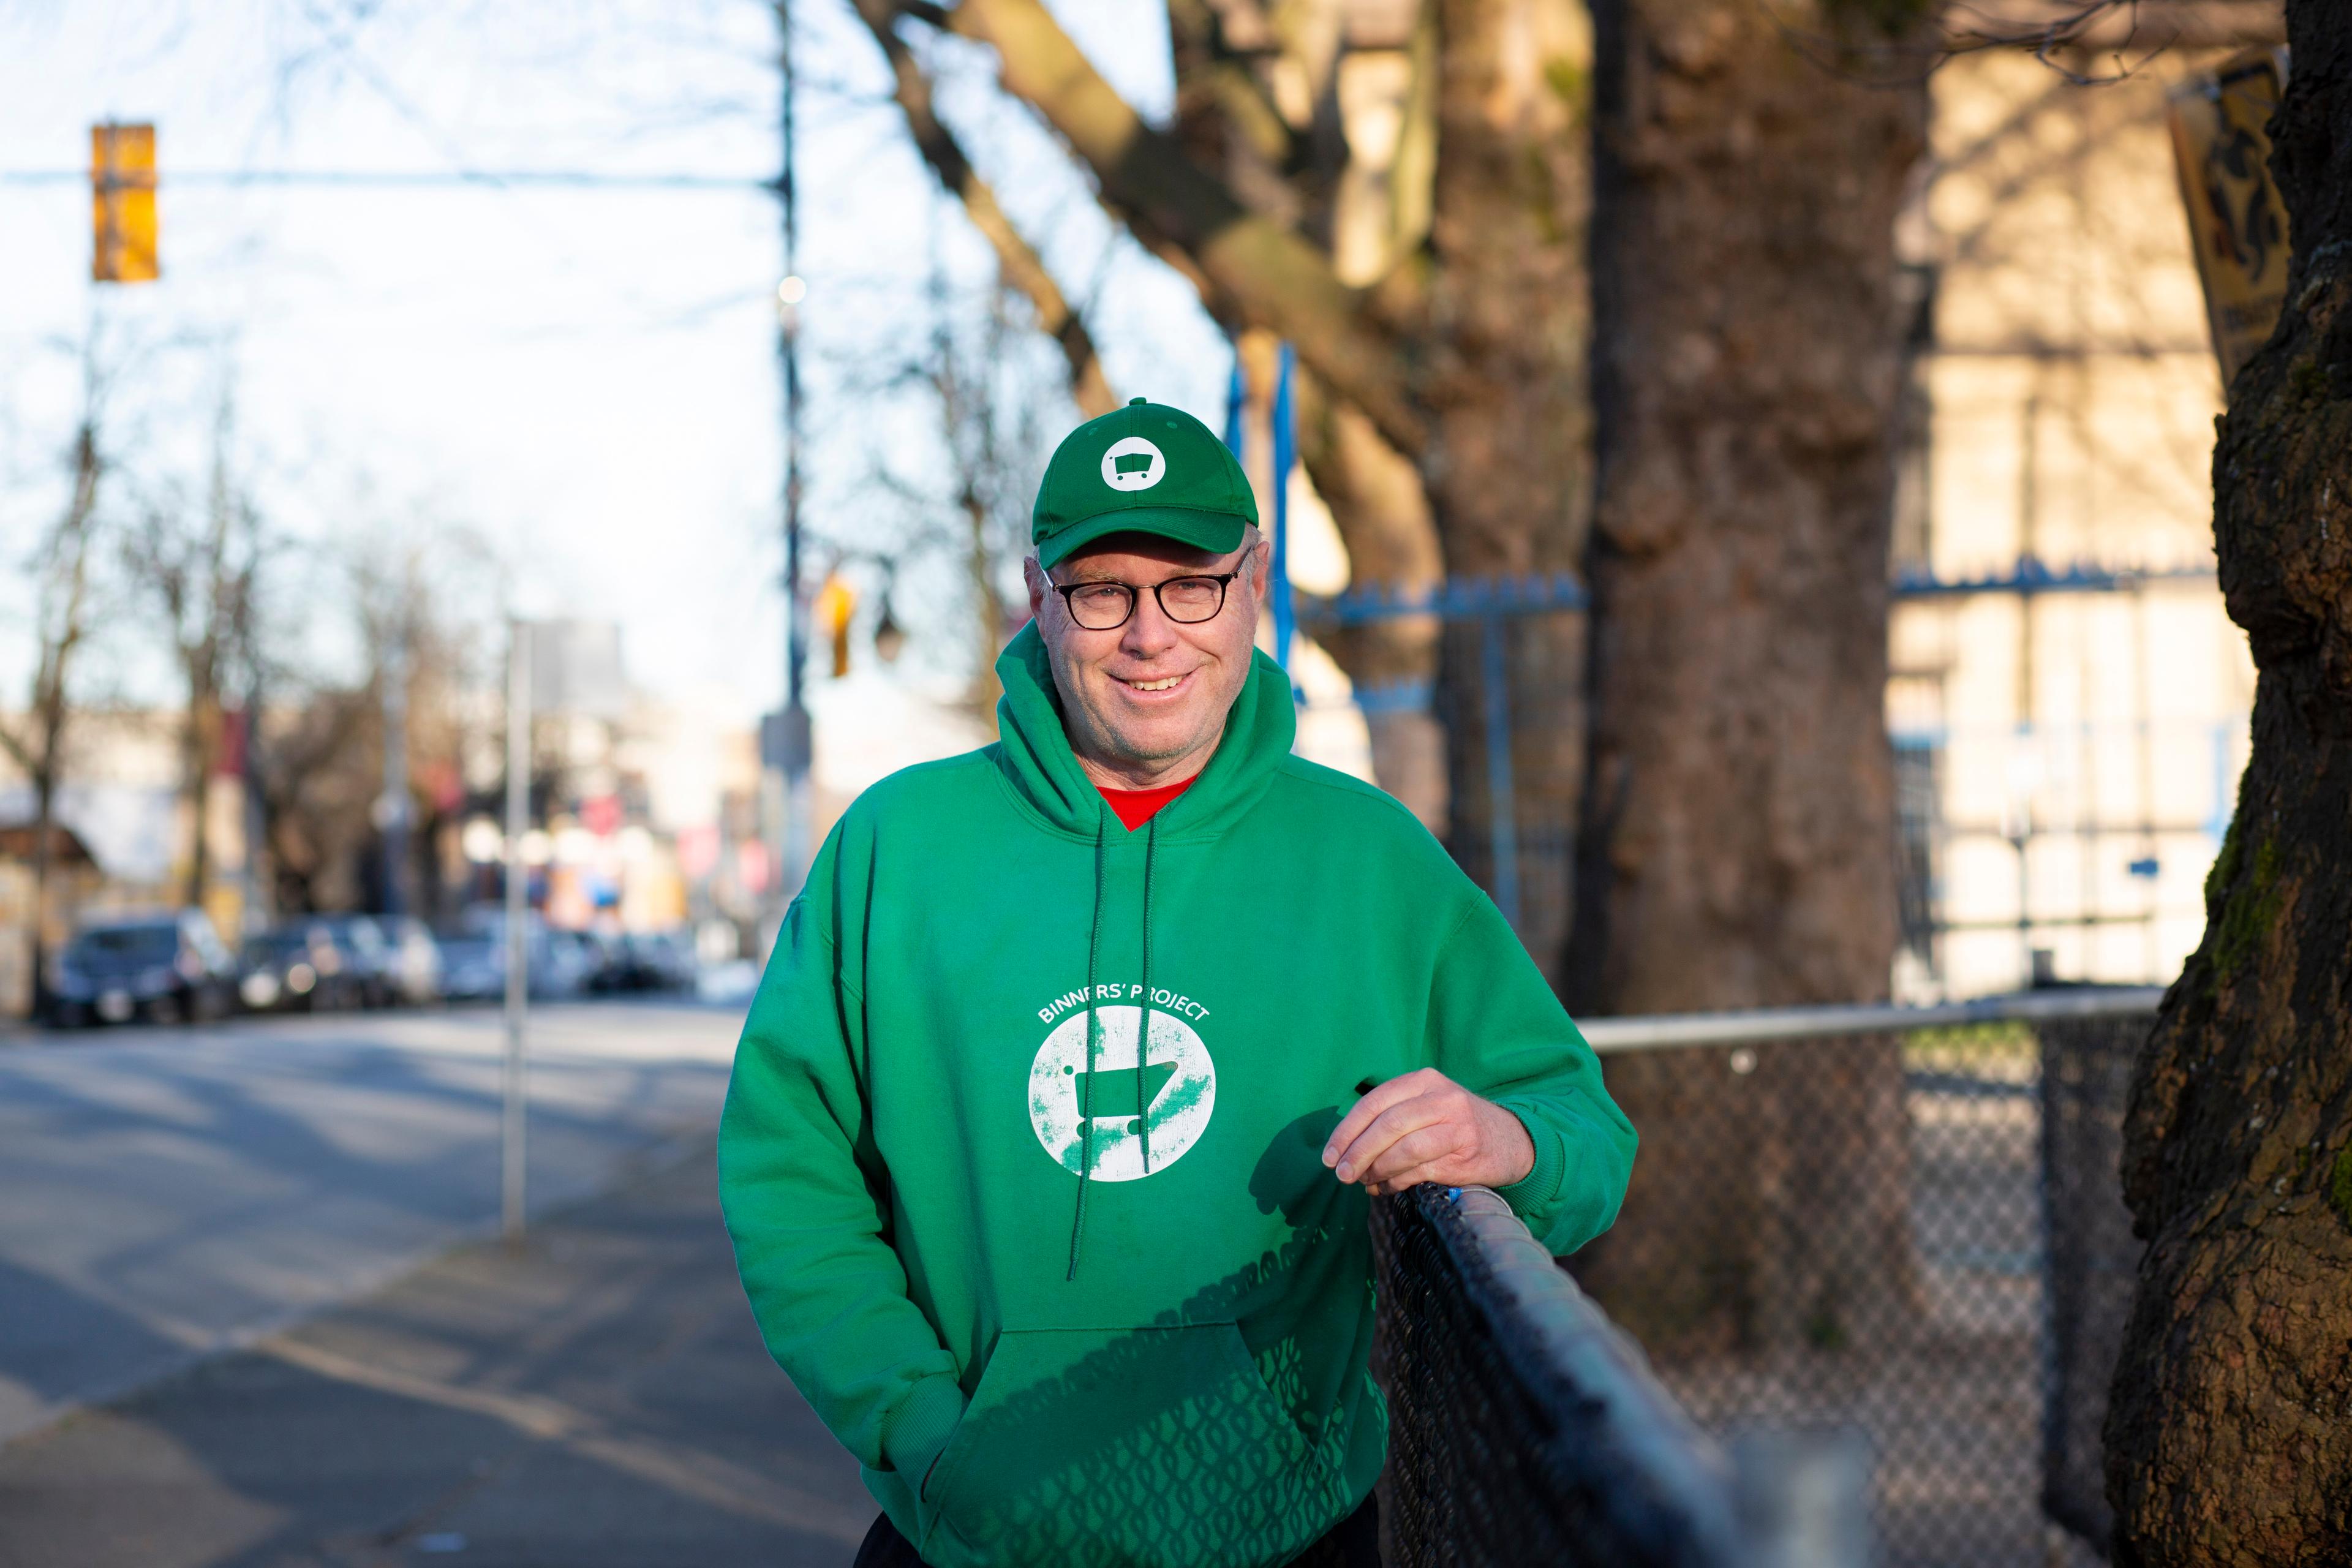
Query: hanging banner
(2237, 224)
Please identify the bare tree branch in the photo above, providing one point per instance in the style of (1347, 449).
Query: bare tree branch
(2098, 25)
(1016, 261)
(1248, 267)
(2058, 32)
(63, 618)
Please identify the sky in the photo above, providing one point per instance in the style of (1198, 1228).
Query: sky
(586, 380)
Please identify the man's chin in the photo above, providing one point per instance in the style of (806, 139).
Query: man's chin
(1153, 746)
(1151, 750)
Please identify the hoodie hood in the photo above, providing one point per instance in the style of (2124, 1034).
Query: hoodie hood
(1033, 751)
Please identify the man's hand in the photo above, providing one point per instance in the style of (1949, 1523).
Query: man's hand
(1424, 1126)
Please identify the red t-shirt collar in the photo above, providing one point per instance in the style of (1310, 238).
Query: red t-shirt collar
(1137, 807)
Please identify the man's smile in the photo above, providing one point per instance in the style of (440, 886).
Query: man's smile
(1163, 683)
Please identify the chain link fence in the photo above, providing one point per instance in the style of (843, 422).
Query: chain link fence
(1905, 1223)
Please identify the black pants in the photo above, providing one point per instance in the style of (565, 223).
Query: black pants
(1354, 1543)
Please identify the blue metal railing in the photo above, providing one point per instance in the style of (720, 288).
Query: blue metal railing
(2032, 575)
(1493, 600)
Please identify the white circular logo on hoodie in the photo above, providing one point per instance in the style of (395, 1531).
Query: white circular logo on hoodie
(1179, 1079)
(1133, 464)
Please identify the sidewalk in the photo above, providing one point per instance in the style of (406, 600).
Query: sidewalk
(173, 1193)
(601, 1399)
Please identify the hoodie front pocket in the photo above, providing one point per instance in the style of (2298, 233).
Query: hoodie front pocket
(1125, 1446)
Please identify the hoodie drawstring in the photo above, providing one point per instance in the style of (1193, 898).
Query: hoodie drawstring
(1094, 1038)
(1094, 1034)
(1143, 1014)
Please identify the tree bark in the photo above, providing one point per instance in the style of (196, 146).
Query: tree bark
(2228, 1431)
(1738, 832)
(1509, 463)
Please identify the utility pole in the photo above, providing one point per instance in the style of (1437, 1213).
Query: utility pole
(788, 742)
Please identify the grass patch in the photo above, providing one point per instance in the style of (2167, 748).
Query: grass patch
(2002, 1042)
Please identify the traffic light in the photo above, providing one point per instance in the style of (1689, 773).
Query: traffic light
(836, 602)
(122, 203)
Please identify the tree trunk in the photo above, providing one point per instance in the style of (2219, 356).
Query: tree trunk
(199, 752)
(1381, 510)
(2230, 1428)
(45, 800)
(1509, 462)
(1738, 838)
(1258, 101)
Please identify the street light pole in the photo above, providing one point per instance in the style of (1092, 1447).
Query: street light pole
(792, 743)
(514, 1088)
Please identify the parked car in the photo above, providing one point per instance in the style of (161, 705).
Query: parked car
(473, 967)
(473, 959)
(166, 967)
(662, 960)
(369, 956)
(298, 967)
(412, 960)
(645, 961)
(574, 961)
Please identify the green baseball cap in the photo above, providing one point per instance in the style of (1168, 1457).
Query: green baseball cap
(1145, 469)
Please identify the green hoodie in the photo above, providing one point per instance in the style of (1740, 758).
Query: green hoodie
(1053, 1330)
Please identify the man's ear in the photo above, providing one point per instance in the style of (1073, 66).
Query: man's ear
(1262, 569)
(1034, 575)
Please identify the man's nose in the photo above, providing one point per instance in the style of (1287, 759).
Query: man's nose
(1149, 630)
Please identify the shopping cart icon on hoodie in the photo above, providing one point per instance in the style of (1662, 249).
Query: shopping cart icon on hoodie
(1114, 1091)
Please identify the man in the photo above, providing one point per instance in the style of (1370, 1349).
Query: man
(1039, 1157)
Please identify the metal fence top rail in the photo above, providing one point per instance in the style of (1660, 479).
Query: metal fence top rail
(1667, 1469)
(1756, 1025)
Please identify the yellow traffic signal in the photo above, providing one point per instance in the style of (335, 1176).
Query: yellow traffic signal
(122, 203)
(836, 602)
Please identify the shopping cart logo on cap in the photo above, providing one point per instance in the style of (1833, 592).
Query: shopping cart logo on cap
(1133, 464)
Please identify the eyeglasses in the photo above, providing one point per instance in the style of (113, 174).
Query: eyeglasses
(1106, 606)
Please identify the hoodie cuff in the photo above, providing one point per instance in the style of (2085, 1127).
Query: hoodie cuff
(1540, 1186)
(914, 1433)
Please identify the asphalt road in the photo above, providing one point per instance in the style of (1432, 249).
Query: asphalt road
(167, 1193)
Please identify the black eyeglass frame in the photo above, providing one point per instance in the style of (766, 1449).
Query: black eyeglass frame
(1224, 580)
